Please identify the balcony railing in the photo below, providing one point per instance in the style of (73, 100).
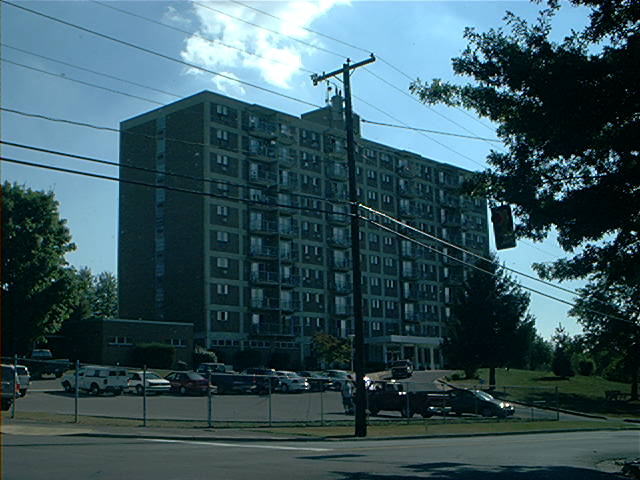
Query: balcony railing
(265, 303)
(264, 277)
(263, 251)
(263, 226)
(341, 264)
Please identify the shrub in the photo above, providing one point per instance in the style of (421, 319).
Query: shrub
(562, 364)
(585, 367)
(202, 355)
(154, 355)
(456, 376)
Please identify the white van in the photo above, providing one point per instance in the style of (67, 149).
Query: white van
(97, 380)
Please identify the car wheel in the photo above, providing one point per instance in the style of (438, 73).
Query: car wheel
(182, 390)
(486, 412)
(23, 393)
(67, 386)
(285, 388)
(95, 389)
(139, 390)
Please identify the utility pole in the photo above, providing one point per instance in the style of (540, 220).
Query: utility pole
(358, 361)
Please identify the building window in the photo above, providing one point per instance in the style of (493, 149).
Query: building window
(222, 289)
(222, 263)
(177, 342)
(222, 316)
(375, 260)
(223, 237)
(388, 262)
(222, 110)
(223, 211)
(120, 341)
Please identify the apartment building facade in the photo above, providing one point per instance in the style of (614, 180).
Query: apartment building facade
(249, 241)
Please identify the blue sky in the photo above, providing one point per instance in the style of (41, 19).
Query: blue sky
(419, 38)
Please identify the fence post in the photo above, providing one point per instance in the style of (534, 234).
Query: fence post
(322, 406)
(16, 384)
(209, 416)
(557, 405)
(144, 395)
(408, 406)
(269, 381)
(77, 390)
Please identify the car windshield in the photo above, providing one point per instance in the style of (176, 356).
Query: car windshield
(152, 376)
(484, 396)
(22, 370)
(194, 376)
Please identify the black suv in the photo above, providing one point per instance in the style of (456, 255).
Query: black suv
(401, 369)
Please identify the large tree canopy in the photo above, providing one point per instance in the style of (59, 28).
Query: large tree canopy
(568, 114)
(490, 326)
(38, 288)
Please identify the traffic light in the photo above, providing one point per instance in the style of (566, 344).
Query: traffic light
(503, 227)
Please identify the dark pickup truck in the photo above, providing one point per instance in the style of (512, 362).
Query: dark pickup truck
(42, 363)
(227, 381)
(392, 396)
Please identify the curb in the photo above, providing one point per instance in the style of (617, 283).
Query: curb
(188, 438)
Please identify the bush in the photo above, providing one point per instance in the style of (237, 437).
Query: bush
(562, 364)
(154, 355)
(456, 376)
(585, 367)
(202, 355)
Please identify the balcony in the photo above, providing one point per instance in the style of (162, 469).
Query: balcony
(287, 183)
(262, 201)
(341, 264)
(290, 305)
(450, 202)
(287, 230)
(263, 226)
(410, 273)
(410, 211)
(264, 278)
(339, 218)
(341, 287)
(262, 153)
(288, 205)
(261, 129)
(265, 303)
(290, 281)
(339, 241)
(413, 317)
(265, 329)
(263, 177)
(407, 191)
(342, 310)
(337, 171)
(261, 251)
(337, 194)
(286, 159)
(405, 171)
(288, 256)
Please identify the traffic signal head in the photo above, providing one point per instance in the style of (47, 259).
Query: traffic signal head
(503, 227)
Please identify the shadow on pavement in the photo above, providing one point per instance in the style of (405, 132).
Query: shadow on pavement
(456, 471)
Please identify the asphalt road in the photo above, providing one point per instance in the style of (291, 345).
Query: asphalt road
(557, 456)
(48, 396)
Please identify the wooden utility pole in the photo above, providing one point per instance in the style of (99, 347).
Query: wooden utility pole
(358, 357)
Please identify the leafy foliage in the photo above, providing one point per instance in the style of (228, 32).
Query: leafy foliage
(38, 288)
(569, 117)
(490, 326)
(331, 350)
(105, 295)
(154, 355)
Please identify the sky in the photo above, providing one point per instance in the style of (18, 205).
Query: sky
(276, 49)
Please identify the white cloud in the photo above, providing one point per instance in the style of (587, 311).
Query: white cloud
(227, 86)
(171, 15)
(276, 58)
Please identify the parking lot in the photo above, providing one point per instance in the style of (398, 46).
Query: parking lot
(48, 396)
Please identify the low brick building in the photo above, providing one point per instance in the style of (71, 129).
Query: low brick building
(111, 341)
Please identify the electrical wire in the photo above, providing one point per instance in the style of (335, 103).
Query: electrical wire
(159, 172)
(438, 132)
(533, 290)
(160, 55)
(165, 187)
(468, 252)
(195, 34)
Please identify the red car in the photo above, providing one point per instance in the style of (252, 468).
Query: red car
(187, 382)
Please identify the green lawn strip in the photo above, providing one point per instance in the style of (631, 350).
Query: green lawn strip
(418, 429)
(579, 393)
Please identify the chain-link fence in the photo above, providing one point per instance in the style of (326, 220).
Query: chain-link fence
(149, 397)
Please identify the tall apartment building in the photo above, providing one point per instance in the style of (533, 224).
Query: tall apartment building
(263, 274)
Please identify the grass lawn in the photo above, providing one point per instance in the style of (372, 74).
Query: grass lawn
(579, 393)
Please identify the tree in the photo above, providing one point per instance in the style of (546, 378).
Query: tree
(105, 295)
(490, 325)
(569, 118)
(38, 288)
(619, 340)
(330, 349)
(541, 354)
(561, 365)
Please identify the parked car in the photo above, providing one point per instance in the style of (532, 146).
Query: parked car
(154, 383)
(340, 377)
(266, 379)
(401, 369)
(24, 379)
(478, 402)
(10, 386)
(206, 368)
(42, 363)
(187, 383)
(292, 382)
(97, 380)
(317, 381)
(393, 396)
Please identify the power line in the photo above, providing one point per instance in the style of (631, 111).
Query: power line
(438, 132)
(161, 55)
(468, 252)
(81, 82)
(533, 290)
(165, 187)
(159, 172)
(102, 74)
(195, 34)
(320, 34)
